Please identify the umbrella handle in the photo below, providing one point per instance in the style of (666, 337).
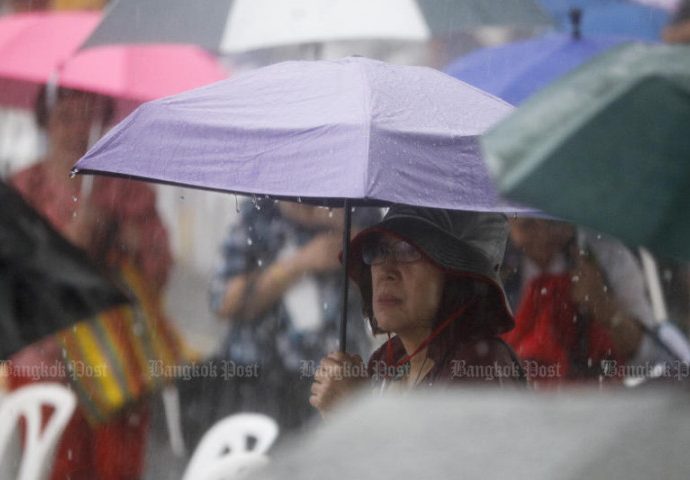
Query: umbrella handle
(656, 295)
(346, 280)
(575, 16)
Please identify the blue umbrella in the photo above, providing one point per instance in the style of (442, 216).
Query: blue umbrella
(611, 17)
(515, 71)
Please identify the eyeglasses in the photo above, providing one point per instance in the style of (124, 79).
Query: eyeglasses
(375, 253)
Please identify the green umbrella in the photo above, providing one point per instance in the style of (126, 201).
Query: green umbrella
(607, 146)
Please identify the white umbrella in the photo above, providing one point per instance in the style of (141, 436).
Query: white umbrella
(233, 26)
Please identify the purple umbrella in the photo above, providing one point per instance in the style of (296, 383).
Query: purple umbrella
(354, 131)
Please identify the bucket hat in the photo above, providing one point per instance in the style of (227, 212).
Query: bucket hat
(462, 243)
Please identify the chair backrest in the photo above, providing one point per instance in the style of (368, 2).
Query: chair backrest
(39, 443)
(233, 446)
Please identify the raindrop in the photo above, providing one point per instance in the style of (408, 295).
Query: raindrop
(583, 252)
(74, 198)
(544, 291)
(69, 454)
(250, 241)
(667, 275)
(299, 199)
(575, 279)
(237, 205)
(589, 361)
(260, 262)
(598, 236)
(606, 288)
(73, 173)
(74, 214)
(325, 305)
(330, 213)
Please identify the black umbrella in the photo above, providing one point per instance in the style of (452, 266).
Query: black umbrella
(46, 283)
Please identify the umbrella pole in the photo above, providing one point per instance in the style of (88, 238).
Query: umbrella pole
(346, 280)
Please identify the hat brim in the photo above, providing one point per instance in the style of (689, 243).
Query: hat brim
(454, 256)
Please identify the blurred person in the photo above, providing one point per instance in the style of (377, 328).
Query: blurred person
(19, 139)
(79, 4)
(18, 6)
(429, 281)
(280, 286)
(678, 31)
(112, 220)
(580, 302)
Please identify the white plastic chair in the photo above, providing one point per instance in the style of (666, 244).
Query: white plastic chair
(39, 444)
(232, 447)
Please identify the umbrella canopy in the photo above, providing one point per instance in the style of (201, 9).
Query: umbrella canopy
(46, 284)
(671, 5)
(607, 146)
(354, 130)
(36, 48)
(479, 434)
(33, 45)
(141, 73)
(517, 70)
(325, 131)
(231, 26)
(625, 18)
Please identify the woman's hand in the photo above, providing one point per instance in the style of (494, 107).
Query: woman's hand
(339, 375)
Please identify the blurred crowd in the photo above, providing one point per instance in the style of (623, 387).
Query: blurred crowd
(582, 302)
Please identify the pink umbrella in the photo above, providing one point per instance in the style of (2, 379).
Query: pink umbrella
(36, 48)
(33, 45)
(141, 73)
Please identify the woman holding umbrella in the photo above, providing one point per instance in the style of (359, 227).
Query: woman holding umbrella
(429, 279)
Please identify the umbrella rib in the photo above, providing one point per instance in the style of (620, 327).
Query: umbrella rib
(367, 122)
